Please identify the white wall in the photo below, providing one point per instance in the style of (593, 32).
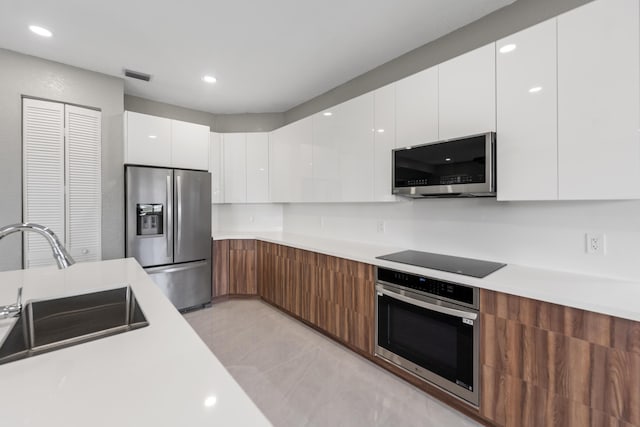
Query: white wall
(541, 234)
(249, 217)
(35, 77)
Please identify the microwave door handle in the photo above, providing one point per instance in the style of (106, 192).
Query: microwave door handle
(429, 306)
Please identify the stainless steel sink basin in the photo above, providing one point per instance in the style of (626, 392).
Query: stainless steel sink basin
(48, 325)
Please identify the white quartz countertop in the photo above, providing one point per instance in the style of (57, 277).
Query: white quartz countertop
(604, 295)
(160, 375)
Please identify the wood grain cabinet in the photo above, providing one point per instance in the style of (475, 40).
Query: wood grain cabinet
(334, 294)
(234, 267)
(220, 266)
(544, 364)
(242, 267)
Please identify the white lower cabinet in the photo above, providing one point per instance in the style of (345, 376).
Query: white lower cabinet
(527, 115)
(599, 101)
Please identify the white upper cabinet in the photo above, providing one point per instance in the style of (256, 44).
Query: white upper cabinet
(384, 141)
(527, 125)
(417, 108)
(467, 94)
(156, 141)
(343, 152)
(147, 140)
(598, 101)
(235, 167)
(189, 145)
(291, 164)
(215, 168)
(257, 167)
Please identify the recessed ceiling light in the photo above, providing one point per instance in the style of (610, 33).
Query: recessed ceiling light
(535, 89)
(209, 79)
(327, 113)
(210, 401)
(152, 136)
(448, 159)
(508, 48)
(40, 31)
(380, 130)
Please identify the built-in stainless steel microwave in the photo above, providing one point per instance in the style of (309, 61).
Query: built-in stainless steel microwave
(461, 167)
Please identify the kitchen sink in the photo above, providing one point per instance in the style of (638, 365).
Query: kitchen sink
(52, 324)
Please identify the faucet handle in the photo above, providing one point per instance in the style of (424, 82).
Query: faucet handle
(12, 310)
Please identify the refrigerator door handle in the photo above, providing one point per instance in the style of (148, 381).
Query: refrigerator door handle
(169, 226)
(179, 219)
(176, 268)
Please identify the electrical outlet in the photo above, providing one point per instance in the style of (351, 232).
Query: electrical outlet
(595, 243)
(251, 219)
(381, 226)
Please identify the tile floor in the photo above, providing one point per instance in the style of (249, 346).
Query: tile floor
(299, 377)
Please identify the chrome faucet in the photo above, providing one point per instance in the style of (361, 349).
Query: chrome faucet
(60, 254)
(62, 257)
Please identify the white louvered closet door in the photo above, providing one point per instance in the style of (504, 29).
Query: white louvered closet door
(84, 195)
(43, 176)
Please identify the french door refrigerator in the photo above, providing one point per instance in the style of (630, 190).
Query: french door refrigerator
(168, 230)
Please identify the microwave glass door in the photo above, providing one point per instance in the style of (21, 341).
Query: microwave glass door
(437, 342)
(445, 163)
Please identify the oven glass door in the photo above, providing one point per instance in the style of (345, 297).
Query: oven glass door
(440, 343)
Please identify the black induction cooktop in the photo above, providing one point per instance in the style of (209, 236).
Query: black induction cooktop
(452, 264)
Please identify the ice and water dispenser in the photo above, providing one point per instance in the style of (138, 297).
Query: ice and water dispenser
(150, 219)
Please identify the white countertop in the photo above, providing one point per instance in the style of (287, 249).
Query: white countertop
(160, 375)
(604, 295)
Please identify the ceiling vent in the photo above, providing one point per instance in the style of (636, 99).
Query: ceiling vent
(137, 75)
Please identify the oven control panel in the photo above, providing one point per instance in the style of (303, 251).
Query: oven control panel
(438, 288)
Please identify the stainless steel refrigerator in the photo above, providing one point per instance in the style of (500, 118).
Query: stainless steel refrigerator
(168, 230)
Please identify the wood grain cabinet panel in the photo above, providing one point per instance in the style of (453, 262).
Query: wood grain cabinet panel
(334, 294)
(220, 265)
(551, 365)
(242, 267)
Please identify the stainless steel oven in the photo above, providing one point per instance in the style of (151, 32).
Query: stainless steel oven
(430, 328)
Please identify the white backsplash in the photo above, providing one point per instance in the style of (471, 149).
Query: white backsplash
(540, 234)
(249, 217)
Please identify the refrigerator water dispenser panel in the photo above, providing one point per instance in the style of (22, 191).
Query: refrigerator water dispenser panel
(150, 219)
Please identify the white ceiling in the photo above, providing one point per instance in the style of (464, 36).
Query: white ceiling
(268, 56)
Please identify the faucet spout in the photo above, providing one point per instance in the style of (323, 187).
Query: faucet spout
(60, 254)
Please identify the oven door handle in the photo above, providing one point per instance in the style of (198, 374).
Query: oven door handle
(429, 306)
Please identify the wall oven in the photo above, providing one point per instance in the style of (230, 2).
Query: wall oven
(430, 328)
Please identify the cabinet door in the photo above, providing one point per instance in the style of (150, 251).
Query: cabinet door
(189, 145)
(527, 124)
(291, 173)
(417, 108)
(147, 140)
(235, 167)
(343, 152)
(467, 94)
(220, 265)
(598, 101)
(215, 168)
(242, 267)
(383, 141)
(257, 167)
